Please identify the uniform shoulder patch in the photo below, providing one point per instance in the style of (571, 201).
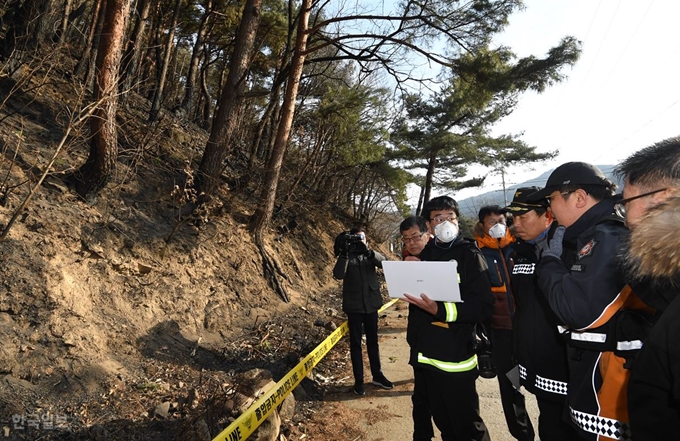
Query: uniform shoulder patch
(587, 249)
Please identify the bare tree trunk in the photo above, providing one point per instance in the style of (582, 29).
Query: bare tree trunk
(263, 214)
(133, 53)
(85, 65)
(311, 159)
(232, 93)
(429, 177)
(189, 101)
(159, 93)
(101, 163)
(205, 92)
(421, 203)
(31, 24)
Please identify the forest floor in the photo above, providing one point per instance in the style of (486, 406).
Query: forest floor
(121, 319)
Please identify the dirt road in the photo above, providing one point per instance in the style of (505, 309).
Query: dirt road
(391, 409)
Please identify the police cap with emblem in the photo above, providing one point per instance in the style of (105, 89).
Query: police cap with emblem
(571, 173)
(521, 204)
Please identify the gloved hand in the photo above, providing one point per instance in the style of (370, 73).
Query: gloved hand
(555, 245)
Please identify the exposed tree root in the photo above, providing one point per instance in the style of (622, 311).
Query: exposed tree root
(272, 270)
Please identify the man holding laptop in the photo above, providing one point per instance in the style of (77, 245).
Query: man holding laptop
(440, 333)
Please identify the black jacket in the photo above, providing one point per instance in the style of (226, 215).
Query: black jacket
(540, 349)
(585, 289)
(360, 286)
(444, 341)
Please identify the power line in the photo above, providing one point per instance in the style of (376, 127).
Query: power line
(604, 38)
(642, 19)
(592, 20)
(639, 128)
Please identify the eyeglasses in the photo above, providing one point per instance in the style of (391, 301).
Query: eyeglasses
(620, 206)
(414, 238)
(442, 218)
(549, 199)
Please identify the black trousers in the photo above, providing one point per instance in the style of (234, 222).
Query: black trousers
(369, 324)
(512, 400)
(422, 418)
(453, 403)
(553, 422)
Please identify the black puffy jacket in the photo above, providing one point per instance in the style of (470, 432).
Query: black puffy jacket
(360, 287)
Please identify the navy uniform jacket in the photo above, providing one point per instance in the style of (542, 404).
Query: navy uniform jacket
(540, 349)
(585, 290)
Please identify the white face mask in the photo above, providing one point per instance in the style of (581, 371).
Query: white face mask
(497, 231)
(446, 231)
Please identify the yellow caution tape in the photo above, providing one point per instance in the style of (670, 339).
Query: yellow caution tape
(251, 419)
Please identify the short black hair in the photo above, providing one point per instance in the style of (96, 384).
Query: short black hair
(655, 166)
(356, 230)
(540, 211)
(487, 210)
(440, 203)
(411, 222)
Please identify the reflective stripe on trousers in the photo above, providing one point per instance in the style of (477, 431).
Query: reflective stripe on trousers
(600, 425)
(449, 366)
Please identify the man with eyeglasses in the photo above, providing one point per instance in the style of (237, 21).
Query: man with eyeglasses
(415, 235)
(652, 205)
(578, 274)
(539, 349)
(440, 333)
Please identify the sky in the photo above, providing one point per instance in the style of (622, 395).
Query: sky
(622, 95)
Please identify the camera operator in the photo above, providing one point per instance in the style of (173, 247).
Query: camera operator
(361, 300)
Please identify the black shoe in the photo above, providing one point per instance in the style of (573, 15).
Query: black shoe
(359, 389)
(383, 382)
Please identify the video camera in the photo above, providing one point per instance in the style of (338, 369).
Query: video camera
(482, 347)
(347, 243)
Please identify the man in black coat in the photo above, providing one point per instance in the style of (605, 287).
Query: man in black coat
(440, 333)
(361, 300)
(539, 349)
(651, 205)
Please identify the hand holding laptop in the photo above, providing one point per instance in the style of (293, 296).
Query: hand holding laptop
(438, 281)
(423, 302)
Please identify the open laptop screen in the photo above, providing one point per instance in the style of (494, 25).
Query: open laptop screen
(438, 280)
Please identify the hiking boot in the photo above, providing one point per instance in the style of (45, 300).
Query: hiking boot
(383, 382)
(359, 389)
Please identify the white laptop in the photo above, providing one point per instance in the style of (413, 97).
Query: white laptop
(438, 280)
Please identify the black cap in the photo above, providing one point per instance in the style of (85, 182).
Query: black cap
(571, 173)
(520, 201)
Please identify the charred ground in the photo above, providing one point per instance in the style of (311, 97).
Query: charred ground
(112, 307)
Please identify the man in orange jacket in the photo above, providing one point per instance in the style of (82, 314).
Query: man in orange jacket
(494, 240)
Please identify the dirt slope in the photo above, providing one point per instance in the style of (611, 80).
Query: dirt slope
(101, 318)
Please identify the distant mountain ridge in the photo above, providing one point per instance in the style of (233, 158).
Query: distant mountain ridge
(470, 206)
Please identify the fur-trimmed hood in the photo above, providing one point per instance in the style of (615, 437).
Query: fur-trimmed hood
(651, 258)
(655, 242)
